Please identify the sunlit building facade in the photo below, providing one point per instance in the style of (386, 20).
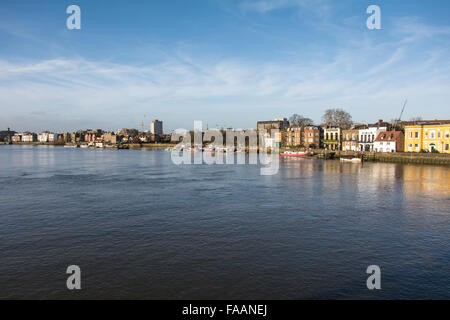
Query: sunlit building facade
(428, 138)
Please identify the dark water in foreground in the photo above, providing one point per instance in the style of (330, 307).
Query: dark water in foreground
(141, 227)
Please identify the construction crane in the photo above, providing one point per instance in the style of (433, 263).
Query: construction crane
(142, 123)
(401, 114)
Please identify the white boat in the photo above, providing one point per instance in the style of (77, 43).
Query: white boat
(351, 160)
(71, 146)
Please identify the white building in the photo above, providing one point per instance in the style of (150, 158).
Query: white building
(392, 141)
(156, 127)
(47, 137)
(367, 138)
(28, 137)
(332, 138)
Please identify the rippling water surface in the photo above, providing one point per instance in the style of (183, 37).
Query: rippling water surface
(141, 227)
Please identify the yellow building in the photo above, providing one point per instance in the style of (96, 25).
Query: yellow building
(427, 137)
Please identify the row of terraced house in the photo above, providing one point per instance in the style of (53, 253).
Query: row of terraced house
(413, 136)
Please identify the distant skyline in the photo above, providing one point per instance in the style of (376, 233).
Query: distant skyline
(224, 62)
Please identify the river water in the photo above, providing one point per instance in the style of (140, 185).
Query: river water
(141, 227)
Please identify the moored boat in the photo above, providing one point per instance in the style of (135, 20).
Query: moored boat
(71, 145)
(351, 159)
(296, 154)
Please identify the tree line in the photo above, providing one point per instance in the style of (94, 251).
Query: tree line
(332, 118)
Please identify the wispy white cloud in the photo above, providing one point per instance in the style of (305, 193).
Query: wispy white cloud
(412, 29)
(362, 75)
(320, 7)
(357, 79)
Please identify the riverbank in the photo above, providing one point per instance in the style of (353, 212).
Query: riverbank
(130, 145)
(406, 158)
(401, 157)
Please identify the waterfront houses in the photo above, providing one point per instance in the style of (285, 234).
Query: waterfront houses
(350, 140)
(367, 136)
(28, 137)
(423, 137)
(17, 137)
(332, 138)
(390, 141)
(266, 127)
(294, 136)
(6, 136)
(277, 124)
(47, 137)
(312, 137)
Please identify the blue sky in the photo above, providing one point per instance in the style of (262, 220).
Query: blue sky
(225, 62)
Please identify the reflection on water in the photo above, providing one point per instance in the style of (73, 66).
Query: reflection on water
(426, 180)
(141, 227)
(413, 180)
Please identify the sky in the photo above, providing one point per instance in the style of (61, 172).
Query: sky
(228, 63)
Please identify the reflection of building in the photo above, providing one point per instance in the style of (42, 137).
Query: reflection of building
(156, 127)
(427, 180)
(428, 137)
(332, 138)
(350, 140)
(312, 137)
(392, 141)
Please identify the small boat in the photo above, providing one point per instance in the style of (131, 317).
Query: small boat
(71, 146)
(84, 146)
(296, 154)
(351, 159)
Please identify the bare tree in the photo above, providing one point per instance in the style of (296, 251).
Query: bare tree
(300, 121)
(337, 118)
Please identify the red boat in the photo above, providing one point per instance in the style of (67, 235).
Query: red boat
(296, 154)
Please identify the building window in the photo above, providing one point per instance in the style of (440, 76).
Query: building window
(416, 146)
(410, 135)
(417, 135)
(447, 134)
(410, 147)
(447, 147)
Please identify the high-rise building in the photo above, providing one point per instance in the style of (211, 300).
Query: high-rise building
(156, 127)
